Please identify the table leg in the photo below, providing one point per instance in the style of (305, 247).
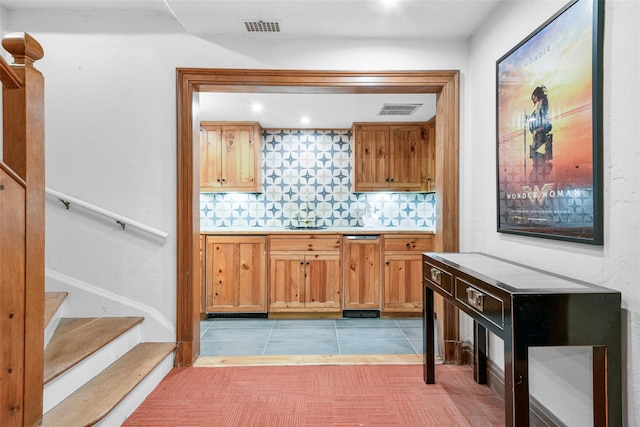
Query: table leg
(520, 414)
(479, 353)
(600, 386)
(428, 333)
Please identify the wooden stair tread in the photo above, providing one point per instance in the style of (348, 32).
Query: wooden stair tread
(77, 338)
(93, 401)
(52, 301)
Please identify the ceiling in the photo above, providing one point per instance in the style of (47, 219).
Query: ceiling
(217, 20)
(324, 111)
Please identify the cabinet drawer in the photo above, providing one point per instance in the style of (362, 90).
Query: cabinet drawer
(305, 243)
(480, 301)
(438, 277)
(408, 243)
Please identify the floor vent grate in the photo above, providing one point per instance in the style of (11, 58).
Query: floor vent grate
(262, 26)
(361, 313)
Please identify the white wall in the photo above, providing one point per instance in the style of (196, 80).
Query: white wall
(559, 373)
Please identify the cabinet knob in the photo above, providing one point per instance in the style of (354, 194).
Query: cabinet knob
(301, 262)
(387, 263)
(408, 245)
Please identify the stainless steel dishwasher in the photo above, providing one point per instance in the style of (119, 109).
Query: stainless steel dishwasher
(362, 267)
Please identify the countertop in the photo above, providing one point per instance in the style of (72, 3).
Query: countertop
(328, 230)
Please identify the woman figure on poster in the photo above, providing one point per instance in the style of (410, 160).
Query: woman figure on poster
(539, 124)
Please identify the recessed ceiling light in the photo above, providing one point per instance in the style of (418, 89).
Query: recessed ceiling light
(256, 107)
(305, 120)
(389, 4)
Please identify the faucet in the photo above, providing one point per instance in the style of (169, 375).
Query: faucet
(308, 218)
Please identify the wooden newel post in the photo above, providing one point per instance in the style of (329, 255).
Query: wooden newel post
(22, 302)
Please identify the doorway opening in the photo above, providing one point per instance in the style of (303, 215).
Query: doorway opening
(191, 82)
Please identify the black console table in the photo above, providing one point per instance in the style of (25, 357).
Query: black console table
(527, 307)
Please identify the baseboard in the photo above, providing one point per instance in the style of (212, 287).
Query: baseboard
(467, 354)
(86, 300)
(539, 415)
(236, 315)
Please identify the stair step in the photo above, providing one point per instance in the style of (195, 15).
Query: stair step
(93, 401)
(77, 338)
(52, 301)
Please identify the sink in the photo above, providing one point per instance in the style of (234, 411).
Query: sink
(307, 227)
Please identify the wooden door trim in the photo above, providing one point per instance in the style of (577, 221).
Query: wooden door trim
(191, 81)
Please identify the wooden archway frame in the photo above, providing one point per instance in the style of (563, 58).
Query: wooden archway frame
(192, 81)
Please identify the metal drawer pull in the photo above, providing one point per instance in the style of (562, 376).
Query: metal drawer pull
(475, 298)
(436, 275)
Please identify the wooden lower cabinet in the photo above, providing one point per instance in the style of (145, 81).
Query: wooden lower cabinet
(361, 263)
(203, 276)
(305, 274)
(236, 274)
(402, 285)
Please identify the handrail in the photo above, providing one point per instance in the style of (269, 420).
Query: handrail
(119, 219)
(9, 78)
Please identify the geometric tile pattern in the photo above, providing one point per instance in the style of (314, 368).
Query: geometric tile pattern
(311, 170)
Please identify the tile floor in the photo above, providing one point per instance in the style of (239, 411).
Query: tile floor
(254, 337)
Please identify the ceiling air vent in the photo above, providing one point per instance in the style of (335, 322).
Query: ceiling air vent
(262, 26)
(398, 109)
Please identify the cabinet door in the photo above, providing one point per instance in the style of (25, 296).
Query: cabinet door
(429, 155)
(323, 284)
(405, 157)
(286, 282)
(361, 261)
(371, 157)
(203, 276)
(210, 151)
(236, 279)
(239, 157)
(402, 288)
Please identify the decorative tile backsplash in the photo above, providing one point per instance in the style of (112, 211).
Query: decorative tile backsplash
(309, 171)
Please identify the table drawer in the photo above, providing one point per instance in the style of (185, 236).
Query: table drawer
(480, 301)
(305, 242)
(438, 277)
(408, 243)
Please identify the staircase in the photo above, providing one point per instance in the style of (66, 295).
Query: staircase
(96, 370)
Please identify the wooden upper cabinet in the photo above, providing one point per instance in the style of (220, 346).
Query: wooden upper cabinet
(230, 156)
(406, 143)
(390, 157)
(371, 157)
(429, 165)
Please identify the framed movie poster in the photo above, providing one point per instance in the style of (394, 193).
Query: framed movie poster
(549, 129)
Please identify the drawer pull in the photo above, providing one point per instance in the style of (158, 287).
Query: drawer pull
(436, 275)
(475, 299)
